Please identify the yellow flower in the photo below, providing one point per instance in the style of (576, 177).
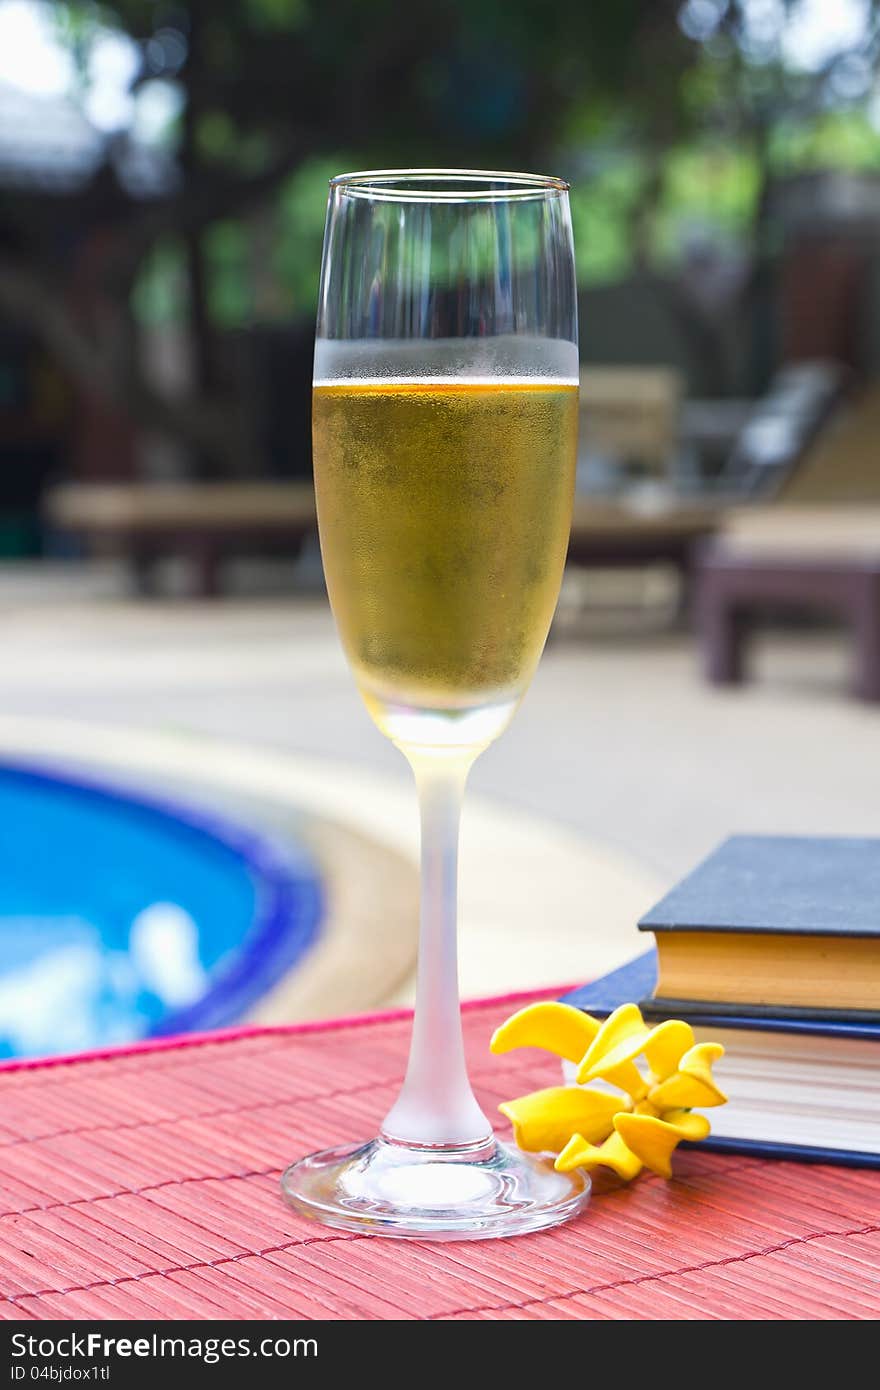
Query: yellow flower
(586, 1127)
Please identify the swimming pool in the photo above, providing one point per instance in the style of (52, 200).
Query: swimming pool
(123, 917)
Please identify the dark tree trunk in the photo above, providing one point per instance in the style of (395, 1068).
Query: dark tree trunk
(203, 347)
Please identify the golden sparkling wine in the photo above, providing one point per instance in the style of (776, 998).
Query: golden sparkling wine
(444, 512)
(445, 423)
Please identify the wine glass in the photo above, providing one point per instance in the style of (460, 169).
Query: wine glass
(445, 427)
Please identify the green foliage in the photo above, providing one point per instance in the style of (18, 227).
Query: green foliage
(302, 205)
(843, 140)
(674, 133)
(277, 14)
(229, 283)
(601, 211)
(159, 294)
(216, 135)
(707, 186)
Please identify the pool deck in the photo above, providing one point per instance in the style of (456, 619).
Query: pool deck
(621, 769)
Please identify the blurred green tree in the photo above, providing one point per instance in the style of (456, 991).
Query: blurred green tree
(652, 102)
(270, 86)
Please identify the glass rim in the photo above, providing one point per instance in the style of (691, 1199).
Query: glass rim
(487, 185)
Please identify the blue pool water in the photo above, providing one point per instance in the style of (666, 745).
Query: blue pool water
(122, 917)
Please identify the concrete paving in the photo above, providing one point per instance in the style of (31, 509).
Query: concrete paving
(619, 746)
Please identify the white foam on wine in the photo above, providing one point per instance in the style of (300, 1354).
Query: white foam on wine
(447, 361)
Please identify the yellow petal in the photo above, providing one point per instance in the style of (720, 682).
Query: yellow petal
(698, 1061)
(618, 1030)
(558, 1028)
(627, 1076)
(577, 1150)
(666, 1045)
(693, 1083)
(618, 1040)
(546, 1120)
(645, 1107)
(612, 1154)
(654, 1141)
(687, 1124)
(685, 1092)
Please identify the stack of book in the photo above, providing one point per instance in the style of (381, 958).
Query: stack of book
(772, 947)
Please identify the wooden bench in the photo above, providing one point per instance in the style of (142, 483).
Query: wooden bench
(208, 521)
(801, 558)
(614, 534)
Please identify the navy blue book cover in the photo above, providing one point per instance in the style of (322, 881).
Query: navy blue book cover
(811, 885)
(634, 983)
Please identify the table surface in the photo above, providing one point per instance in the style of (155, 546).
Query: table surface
(144, 1184)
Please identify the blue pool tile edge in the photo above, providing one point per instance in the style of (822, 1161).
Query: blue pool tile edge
(290, 900)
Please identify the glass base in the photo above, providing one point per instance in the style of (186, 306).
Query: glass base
(386, 1188)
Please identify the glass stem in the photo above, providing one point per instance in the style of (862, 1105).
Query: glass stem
(436, 1105)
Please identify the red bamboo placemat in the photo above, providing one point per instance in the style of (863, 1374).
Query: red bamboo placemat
(144, 1183)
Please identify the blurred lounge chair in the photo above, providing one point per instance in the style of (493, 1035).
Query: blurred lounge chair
(631, 416)
(781, 428)
(628, 423)
(816, 548)
(626, 511)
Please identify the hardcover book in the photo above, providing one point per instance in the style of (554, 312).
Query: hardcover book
(788, 925)
(804, 1088)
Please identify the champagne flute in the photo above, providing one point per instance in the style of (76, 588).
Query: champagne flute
(445, 427)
